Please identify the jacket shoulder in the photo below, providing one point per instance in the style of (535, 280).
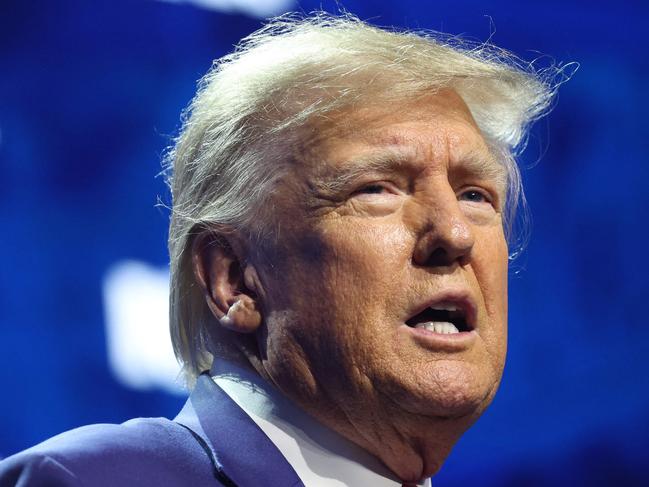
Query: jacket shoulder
(144, 451)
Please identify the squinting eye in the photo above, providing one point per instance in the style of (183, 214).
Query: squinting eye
(371, 189)
(474, 196)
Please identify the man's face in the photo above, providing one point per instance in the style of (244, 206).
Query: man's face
(390, 218)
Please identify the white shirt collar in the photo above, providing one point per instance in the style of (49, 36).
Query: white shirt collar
(319, 455)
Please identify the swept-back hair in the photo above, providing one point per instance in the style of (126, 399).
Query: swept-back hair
(238, 129)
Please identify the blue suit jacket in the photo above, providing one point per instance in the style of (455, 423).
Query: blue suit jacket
(212, 442)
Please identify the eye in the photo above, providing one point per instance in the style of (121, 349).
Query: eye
(474, 196)
(381, 188)
(372, 189)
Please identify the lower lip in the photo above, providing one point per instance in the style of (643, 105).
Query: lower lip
(443, 342)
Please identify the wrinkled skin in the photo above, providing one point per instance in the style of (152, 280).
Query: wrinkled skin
(355, 255)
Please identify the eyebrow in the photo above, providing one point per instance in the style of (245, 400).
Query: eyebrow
(484, 165)
(389, 160)
(350, 171)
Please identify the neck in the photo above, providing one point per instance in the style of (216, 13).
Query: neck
(413, 447)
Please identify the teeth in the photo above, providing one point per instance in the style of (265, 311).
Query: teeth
(439, 327)
(445, 307)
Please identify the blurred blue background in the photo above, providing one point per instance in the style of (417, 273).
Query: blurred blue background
(90, 93)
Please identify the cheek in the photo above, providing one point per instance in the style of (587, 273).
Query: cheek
(380, 247)
(338, 279)
(491, 271)
(496, 280)
(367, 260)
(362, 251)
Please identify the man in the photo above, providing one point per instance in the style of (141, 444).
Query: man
(342, 201)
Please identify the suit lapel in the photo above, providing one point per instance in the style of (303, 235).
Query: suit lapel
(241, 449)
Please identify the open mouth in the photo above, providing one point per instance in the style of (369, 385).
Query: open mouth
(441, 318)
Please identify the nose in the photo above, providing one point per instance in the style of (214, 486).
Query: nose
(446, 236)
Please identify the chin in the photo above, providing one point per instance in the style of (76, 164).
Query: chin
(458, 391)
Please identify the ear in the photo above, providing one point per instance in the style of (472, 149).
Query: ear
(228, 284)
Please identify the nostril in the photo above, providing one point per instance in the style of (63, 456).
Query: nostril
(444, 244)
(439, 257)
(436, 252)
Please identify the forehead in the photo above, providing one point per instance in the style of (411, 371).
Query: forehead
(435, 131)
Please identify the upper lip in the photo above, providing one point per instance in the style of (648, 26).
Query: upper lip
(461, 299)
